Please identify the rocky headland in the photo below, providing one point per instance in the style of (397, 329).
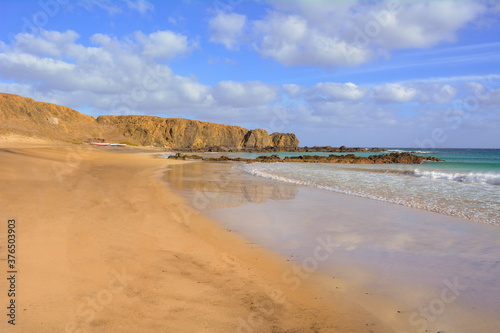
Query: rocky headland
(25, 116)
(195, 135)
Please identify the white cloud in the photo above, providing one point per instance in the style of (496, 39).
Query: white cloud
(422, 24)
(116, 7)
(488, 97)
(142, 6)
(349, 33)
(294, 90)
(290, 40)
(191, 91)
(393, 93)
(227, 29)
(339, 91)
(130, 76)
(121, 76)
(49, 43)
(112, 7)
(115, 74)
(164, 44)
(15, 66)
(436, 93)
(244, 94)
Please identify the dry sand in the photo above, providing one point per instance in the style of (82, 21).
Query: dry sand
(104, 246)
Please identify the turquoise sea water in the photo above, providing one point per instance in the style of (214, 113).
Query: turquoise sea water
(466, 185)
(407, 256)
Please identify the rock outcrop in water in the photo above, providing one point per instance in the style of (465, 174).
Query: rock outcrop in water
(392, 158)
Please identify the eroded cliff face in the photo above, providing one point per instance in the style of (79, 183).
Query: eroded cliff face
(284, 140)
(256, 139)
(26, 116)
(184, 133)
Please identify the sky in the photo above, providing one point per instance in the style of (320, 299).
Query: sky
(399, 73)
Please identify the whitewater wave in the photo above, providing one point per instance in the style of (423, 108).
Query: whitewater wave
(389, 185)
(267, 175)
(411, 151)
(462, 177)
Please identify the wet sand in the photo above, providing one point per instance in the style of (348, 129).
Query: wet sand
(103, 246)
(414, 269)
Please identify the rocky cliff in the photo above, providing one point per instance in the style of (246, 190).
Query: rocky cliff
(25, 116)
(284, 140)
(185, 133)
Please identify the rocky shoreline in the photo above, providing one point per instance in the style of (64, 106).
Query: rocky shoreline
(290, 149)
(392, 158)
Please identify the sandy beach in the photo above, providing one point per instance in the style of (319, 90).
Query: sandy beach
(102, 245)
(417, 270)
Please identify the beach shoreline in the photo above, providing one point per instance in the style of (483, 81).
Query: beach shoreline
(104, 246)
(391, 259)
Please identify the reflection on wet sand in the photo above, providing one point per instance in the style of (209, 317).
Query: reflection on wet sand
(210, 186)
(404, 254)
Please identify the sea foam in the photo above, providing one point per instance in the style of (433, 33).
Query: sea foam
(463, 177)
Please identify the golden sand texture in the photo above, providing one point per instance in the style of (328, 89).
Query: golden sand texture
(102, 245)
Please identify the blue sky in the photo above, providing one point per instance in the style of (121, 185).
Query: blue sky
(355, 73)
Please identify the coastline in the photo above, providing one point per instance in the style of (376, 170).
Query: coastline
(391, 259)
(104, 246)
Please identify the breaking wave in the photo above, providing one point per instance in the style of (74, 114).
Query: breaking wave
(463, 177)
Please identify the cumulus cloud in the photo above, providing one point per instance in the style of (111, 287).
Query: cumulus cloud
(227, 29)
(291, 40)
(480, 94)
(245, 94)
(164, 44)
(339, 91)
(346, 33)
(393, 93)
(423, 92)
(436, 93)
(122, 76)
(49, 43)
(294, 90)
(124, 71)
(418, 24)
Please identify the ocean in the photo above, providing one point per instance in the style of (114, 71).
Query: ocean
(466, 185)
(401, 234)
